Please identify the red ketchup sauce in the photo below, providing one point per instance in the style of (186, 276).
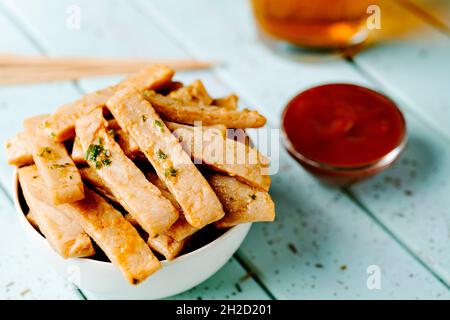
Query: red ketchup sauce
(343, 133)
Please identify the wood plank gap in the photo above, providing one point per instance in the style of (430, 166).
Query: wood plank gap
(377, 221)
(254, 276)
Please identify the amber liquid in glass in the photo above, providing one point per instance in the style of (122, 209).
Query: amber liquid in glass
(314, 23)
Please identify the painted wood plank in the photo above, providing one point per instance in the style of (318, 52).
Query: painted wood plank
(24, 275)
(344, 212)
(312, 220)
(412, 198)
(58, 40)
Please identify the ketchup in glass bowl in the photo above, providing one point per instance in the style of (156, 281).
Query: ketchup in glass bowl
(343, 133)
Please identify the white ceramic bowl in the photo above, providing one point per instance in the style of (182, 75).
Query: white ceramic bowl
(103, 279)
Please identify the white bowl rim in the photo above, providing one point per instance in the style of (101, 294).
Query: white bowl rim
(210, 245)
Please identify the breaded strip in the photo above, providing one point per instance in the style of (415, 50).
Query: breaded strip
(166, 246)
(241, 202)
(219, 129)
(181, 229)
(194, 94)
(62, 123)
(115, 236)
(53, 162)
(172, 110)
(173, 166)
(18, 151)
(64, 234)
(132, 190)
(229, 102)
(225, 155)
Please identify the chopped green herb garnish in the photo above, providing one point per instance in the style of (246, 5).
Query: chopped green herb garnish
(99, 155)
(8, 145)
(180, 138)
(71, 177)
(159, 124)
(253, 196)
(93, 151)
(171, 172)
(161, 155)
(144, 118)
(52, 134)
(106, 162)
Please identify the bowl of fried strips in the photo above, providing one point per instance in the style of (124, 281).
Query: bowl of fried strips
(140, 190)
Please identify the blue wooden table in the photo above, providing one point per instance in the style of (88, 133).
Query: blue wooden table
(388, 238)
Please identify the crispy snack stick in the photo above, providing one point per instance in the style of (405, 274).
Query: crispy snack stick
(64, 234)
(62, 123)
(225, 155)
(173, 166)
(132, 190)
(181, 229)
(166, 246)
(18, 151)
(241, 202)
(194, 94)
(53, 162)
(219, 129)
(172, 110)
(116, 237)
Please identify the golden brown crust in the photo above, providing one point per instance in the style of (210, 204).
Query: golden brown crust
(241, 202)
(53, 162)
(173, 166)
(172, 110)
(64, 234)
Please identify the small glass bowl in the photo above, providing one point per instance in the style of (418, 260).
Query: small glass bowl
(343, 176)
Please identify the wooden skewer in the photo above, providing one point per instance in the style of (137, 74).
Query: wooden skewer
(24, 69)
(136, 63)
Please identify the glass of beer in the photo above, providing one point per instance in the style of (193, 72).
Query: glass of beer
(317, 24)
